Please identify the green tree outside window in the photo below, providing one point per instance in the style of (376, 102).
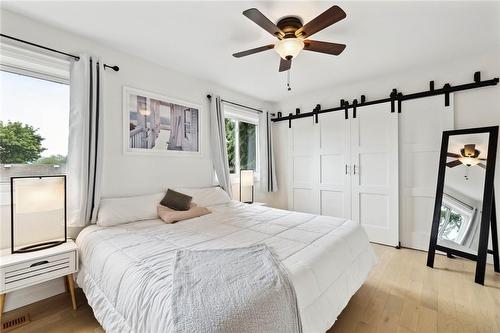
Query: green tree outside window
(231, 144)
(247, 146)
(19, 143)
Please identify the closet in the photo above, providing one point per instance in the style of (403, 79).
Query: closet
(348, 168)
(378, 168)
(421, 125)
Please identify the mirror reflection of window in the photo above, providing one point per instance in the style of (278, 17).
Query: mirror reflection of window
(455, 220)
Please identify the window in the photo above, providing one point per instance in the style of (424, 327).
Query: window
(242, 141)
(34, 121)
(455, 220)
(187, 123)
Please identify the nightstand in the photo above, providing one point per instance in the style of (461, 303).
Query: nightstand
(21, 270)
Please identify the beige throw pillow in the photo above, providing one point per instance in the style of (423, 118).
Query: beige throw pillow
(169, 215)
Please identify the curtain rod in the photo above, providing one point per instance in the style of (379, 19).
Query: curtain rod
(237, 104)
(115, 68)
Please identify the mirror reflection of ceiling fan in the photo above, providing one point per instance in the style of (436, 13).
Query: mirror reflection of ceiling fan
(469, 156)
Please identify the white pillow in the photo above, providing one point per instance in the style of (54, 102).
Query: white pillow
(113, 211)
(207, 196)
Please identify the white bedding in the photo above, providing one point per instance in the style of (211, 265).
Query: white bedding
(126, 270)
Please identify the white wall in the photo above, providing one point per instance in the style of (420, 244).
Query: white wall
(473, 108)
(134, 174)
(129, 174)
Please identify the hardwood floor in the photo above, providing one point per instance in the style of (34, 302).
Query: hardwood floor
(401, 295)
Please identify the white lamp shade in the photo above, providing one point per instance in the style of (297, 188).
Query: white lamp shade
(34, 195)
(469, 161)
(289, 47)
(246, 178)
(39, 210)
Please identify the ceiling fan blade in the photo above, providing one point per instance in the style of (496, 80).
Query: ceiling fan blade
(327, 18)
(481, 165)
(262, 21)
(453, 164)
(252, 51)
(285, 64)
(323, 47)
(452, 155)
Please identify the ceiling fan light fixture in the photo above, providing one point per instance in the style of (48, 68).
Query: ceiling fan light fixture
(289, 48)
(144, 112)
(469, 161)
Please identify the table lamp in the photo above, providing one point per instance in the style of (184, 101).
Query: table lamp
(246, 181)
(38, 212)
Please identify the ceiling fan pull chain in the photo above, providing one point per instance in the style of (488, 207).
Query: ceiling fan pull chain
(288, 80)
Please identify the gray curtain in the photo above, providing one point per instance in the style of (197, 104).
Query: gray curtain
(84, 165)
(218, 143)
(268, 181)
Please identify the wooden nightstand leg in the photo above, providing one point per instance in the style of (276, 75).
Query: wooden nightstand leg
(71, 287)
(2, 303)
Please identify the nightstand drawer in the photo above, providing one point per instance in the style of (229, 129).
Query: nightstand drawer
(38, 270)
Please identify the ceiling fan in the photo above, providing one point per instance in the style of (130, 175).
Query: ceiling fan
(469, 156)
(292, 35)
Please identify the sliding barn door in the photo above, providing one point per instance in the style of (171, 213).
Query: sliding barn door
(303, 164)
(421, 124)
(334, 161)
(374, 156)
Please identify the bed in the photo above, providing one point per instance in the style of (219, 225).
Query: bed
(126, 269)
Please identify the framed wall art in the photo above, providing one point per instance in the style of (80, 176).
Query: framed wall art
(157, 124)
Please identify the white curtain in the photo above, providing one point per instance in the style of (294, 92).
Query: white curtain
(268, 181)
(218, 143)
(84, 165)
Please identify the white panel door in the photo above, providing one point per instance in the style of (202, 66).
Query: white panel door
(374, 156)
(334, 164)
(303, 164)
(421, 124)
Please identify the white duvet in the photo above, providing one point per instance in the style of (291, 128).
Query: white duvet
(126, 270)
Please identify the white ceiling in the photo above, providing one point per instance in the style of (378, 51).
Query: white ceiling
(198, 38)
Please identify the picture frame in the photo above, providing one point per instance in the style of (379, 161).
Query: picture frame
(156, 124)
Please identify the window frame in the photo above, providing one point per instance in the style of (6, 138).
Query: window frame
(22, 61)
(35, 65)
(239, 115)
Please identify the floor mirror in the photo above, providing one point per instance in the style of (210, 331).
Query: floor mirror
(464, 210)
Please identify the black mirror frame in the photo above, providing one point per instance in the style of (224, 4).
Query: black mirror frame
(488, 216)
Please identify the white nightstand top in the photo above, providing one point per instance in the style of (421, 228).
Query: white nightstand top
(7, 258)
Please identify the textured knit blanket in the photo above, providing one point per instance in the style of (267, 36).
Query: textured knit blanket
(232, 290)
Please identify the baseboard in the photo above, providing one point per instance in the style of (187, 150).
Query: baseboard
(25, 296)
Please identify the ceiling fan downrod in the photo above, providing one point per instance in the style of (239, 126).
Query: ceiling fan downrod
(288, 80)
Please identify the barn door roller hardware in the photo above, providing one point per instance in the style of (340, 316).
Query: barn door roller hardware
(394, 97)
(315, 111)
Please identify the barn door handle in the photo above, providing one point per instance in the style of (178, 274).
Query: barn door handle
(346, 169)
(354, 168)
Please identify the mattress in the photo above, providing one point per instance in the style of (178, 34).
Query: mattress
(126, 270)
